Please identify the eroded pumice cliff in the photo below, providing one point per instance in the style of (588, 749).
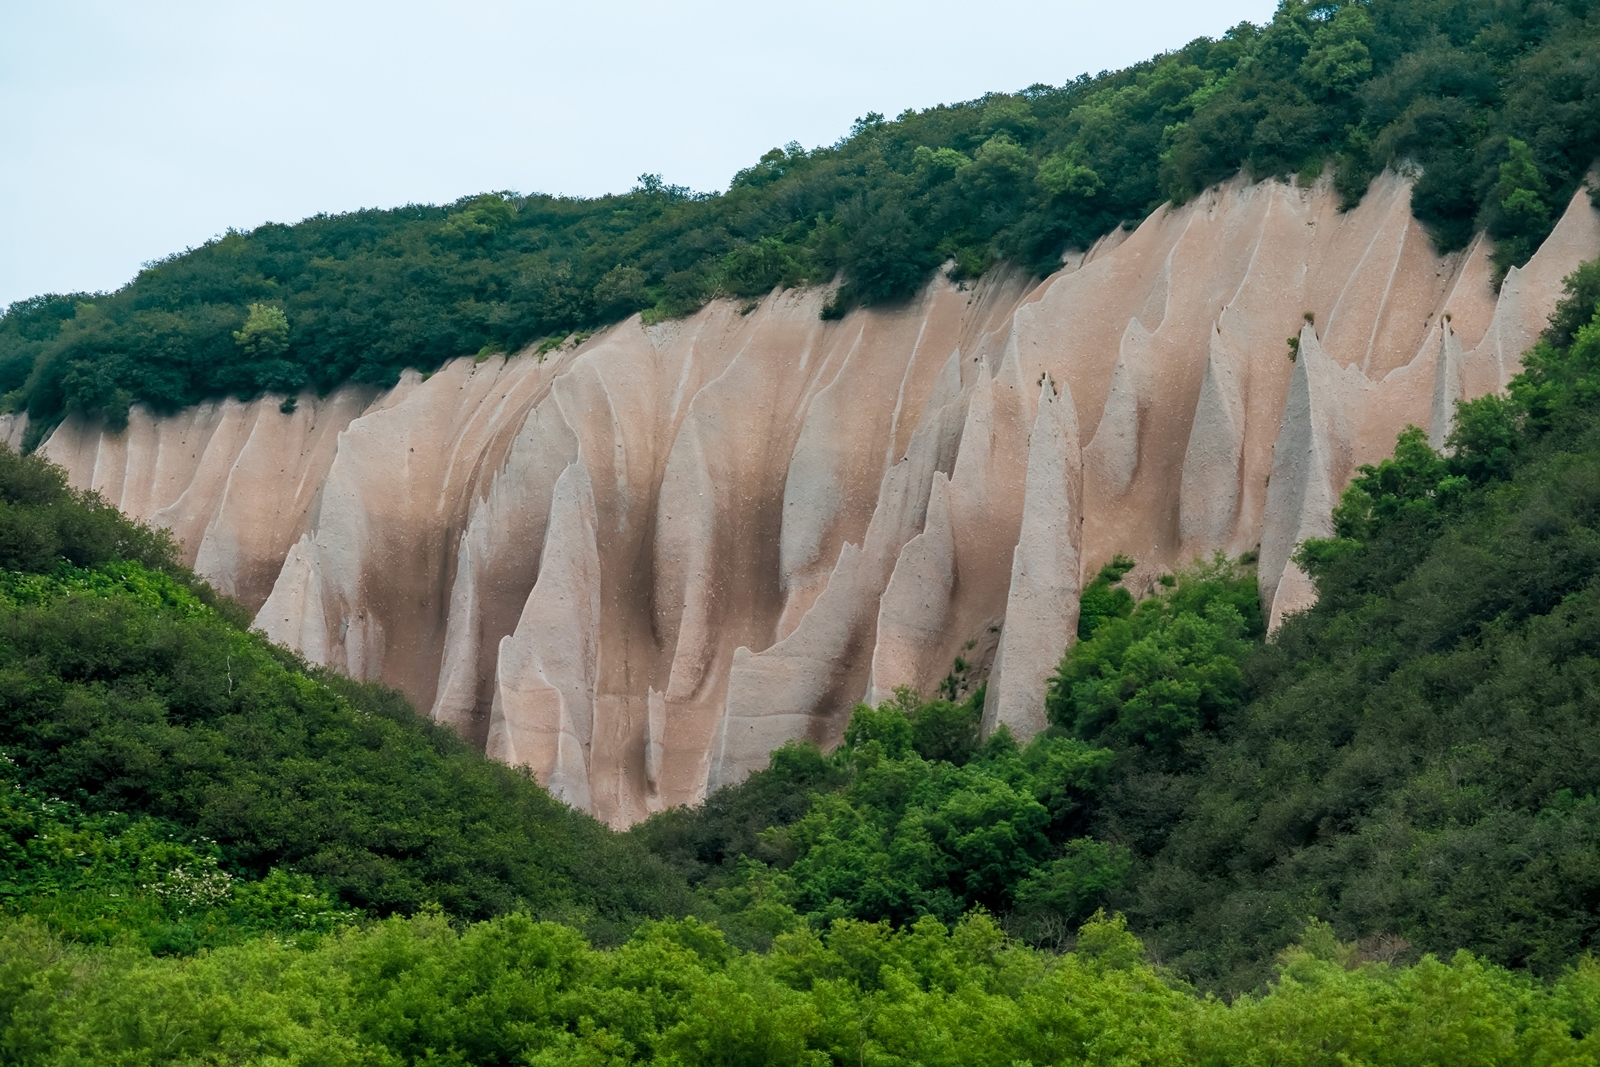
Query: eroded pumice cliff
(639, 565)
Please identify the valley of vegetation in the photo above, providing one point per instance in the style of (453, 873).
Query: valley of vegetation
(1495, 102)
(1370, 839)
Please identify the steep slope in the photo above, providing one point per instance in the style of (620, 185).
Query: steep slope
(640, 564)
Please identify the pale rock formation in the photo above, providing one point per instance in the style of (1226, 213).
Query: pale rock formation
(543, 713)
(638, 565)
(238, 484)
(14, 430)
(1208, 493)
(916, 602)
(1042, 602)
(1313, 456)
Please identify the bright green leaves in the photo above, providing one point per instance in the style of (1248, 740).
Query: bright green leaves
(1062, 175)
(263, 341)
(1518, 215)
(1521, 189)
(1578, 307)
(937, 730)
(109, 878)
(998, 166)
(516, 991)
(936, 165)
(265, 333)
(1410, 485)
(1559, 388)
(1168, 668)
(1086, 872)
(887, 726)
(1339, 59)
(928, 822)
(480, 219)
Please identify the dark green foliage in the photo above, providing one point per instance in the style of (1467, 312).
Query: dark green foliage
(943, 730)
(110, 878)
(907, 837)
(122, 690)
(1420, 764)
(706, 841)
(1577, 308)
(1104, 598)
(119, 693)
(936, 730)
(1069, 887)
(1497, 102)
(911, 816)
(42, 520)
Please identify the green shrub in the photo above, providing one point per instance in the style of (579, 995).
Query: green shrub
(419, 991)
(1152, 675)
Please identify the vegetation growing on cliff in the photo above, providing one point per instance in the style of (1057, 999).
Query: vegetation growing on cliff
(1415, 760)
(1498, 104)
(1419, 757)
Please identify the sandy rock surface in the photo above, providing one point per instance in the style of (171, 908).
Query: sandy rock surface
(639, 565)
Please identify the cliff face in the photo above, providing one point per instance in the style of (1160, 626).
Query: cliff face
(639, 565)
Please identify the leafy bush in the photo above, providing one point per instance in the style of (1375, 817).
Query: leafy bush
(1152, 675)
(1104, 598)
(111, 878)
(910, 817)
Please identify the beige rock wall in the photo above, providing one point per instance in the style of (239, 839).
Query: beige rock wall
(640, 565)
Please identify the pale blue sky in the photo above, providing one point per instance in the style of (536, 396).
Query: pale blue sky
(130, 129)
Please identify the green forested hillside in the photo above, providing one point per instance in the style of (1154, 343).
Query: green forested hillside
(1421, 756)
(1496, 101)
(1373, 834)
(136, 712)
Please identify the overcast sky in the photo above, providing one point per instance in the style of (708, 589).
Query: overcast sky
(130, 129)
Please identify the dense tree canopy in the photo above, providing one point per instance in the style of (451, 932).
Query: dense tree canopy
(512, 991)
(1496, 105)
